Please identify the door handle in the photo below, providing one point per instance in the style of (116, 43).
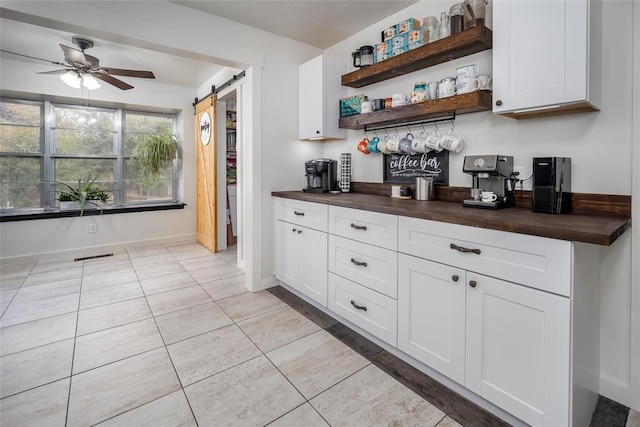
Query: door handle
(298, 213)
(358, 307)
(463, 249)
(360, 263)
(358, 227)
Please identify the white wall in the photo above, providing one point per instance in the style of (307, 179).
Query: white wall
(600, 145)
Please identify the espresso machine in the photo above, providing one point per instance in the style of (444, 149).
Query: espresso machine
(491, 173)
(322, 175)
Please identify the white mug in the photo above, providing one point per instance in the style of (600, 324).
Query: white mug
(447, 87)
(467, 84)
(366, 107)
(418, 145)
(433, 141)
(392, 144)
(382, 145)
(489, 196)
(452, 141)
(432, 90)
(399, 99)
(468, 71)
(486, 82)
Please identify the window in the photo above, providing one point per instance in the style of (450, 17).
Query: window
(43, 144)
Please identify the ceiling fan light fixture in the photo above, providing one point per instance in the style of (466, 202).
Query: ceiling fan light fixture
(72, 79)
(90, 82)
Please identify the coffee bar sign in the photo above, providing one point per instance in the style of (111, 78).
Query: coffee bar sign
(404, 168)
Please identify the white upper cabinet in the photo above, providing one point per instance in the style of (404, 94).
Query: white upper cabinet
(546, 56)
(319, 93)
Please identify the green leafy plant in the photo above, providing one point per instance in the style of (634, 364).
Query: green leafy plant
(85, 193)
(154, 154)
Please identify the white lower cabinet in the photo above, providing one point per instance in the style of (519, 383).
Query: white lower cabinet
(301, 259)
(431, 314)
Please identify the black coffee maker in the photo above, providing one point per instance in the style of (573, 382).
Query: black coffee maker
(322, 175)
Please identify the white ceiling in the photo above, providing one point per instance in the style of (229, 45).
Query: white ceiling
(319, 23)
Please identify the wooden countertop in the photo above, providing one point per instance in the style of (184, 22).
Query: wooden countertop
(598, 230)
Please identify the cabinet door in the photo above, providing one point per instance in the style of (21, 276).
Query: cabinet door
(518, 349)
(287, 265)
(540, 53)
(312, 252)
(431, 314)
(311, 99)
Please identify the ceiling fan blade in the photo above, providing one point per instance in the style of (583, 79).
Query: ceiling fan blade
(56, 71)
(112, 80)
(130, 73)
(74, 56)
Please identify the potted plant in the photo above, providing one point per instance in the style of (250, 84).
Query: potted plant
(85, 193)
(154, 154)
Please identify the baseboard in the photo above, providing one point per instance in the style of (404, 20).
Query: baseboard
(71, 254)
(616, 391)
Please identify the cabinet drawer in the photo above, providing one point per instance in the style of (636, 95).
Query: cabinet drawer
(368, 265)
(373, 312)
(312, 215)
(533, 261)
(368, 227)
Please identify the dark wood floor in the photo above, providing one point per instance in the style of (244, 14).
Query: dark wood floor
(607, 414)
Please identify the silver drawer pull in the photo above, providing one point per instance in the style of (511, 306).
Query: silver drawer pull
(358, 307)
(359, 227)
(360, 263)
(463, 249)
(298, 213)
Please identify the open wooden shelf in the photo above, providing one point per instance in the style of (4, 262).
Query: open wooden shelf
(472, 102)
(473, 40)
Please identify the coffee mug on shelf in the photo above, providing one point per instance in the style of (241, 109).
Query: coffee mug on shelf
(433, 141)
(486, 82)
(378, 104)
(392, 144)
(366, 107)
(418, 97)
(399, 99)
(468, 71)
(489, 196)
(432, 90)
(467, 84)
(447, 87)
(418, 143)
(452, 141)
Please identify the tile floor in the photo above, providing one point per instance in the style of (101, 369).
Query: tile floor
(167, 335)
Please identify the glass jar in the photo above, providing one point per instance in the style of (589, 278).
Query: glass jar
(474, 13)
(456, 18)
(430, 29)
(420, 87)
(445, 22)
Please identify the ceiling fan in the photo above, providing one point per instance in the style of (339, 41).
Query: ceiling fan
(80, 65)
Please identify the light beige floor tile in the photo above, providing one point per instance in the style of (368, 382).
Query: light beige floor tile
(171, 410)
(21, 269)
(53, 276)
(153, 260)
(110, 295)
(371, 397)
(54, 265)
(316, 362)
(216, 272)
(102, 393)
(146, 251)
(35, 310)
(7, 296)
(32, 368)
(210, 260)
(106, 280)
(192, 321)
(224, 288)
(303, 415)
(183, 251)
(11, 282)
(244, 306)
(229, 255)
(167, 283)
(107, 267)
(42, 406)
(277, 328)
(161, 270)
(253, 393)
(3, 306)
(633, 420)
(111, 315)
(448, 422)
(207, 354)
(167, 302)
(48, 290)
(110, 345)
(37, 333)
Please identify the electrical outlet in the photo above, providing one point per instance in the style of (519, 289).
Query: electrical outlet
(93, 228)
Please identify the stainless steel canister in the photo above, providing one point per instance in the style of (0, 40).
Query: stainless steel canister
(424, 188)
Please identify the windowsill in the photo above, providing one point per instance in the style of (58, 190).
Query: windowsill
(8, 215)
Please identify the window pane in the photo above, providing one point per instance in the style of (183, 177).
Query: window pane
(20, 182)
(138, 189)
(19, 127)
(84, 131)
(138, 125)
(70, 171)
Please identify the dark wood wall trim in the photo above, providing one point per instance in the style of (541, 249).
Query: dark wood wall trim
(610, 205)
